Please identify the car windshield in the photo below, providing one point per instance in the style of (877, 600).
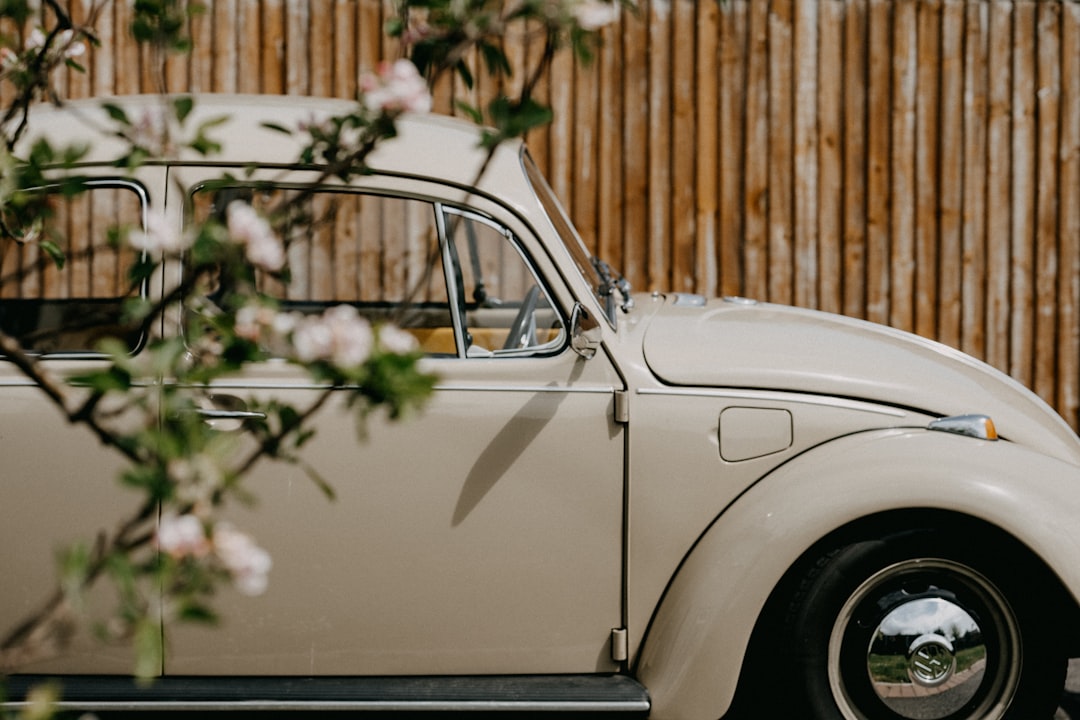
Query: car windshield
(597, 273)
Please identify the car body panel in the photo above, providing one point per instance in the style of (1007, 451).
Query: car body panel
(694, 649)
(45, 458)
(759, 345)
(681, 483)
(453, 545)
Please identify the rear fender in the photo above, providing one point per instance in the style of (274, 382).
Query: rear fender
(694, 648)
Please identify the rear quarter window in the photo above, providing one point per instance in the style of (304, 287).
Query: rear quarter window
(50, 309)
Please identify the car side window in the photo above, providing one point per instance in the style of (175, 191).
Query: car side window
(455, 280)
(72, 309)
(505, 308)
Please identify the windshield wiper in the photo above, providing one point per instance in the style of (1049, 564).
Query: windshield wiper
(610, 282)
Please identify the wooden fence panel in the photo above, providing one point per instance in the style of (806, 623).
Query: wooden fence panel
(915, 162)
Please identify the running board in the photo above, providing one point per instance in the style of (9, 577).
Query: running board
(606, 694)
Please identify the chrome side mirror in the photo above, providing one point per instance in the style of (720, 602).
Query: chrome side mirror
(585, 335)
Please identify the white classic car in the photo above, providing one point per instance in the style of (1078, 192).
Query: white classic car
(654, 504)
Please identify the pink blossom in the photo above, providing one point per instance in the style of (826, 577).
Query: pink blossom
(152, 132)
(395, 88)
(250, 322)
(160, 237)
(594, 14)
(246, 227)
(266, 327)
(247, 563)
(182, 536)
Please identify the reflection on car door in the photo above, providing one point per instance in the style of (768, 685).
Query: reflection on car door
(481, 536)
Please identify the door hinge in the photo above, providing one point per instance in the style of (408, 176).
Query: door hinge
(618, 645)
(622, 406)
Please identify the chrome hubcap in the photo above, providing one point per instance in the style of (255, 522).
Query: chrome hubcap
(924, 640)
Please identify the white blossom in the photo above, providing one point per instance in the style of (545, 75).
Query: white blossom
(182, 536)
(394, 88)
(594, 14)
(35, 39)
(197, 479)
(159, 237)
(247, 563)
(64, 46)
(72, 48)
(246, 227)
(312, 340)
(339, 336)
(395, 340)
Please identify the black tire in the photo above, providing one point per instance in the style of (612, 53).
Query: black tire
(923, 625)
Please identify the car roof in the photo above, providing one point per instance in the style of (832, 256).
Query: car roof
(433, 146)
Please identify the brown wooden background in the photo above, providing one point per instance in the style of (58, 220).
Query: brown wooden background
(912, 162)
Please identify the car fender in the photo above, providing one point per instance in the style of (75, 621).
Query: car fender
(694, 648)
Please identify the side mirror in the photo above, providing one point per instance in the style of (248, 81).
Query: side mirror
(585, 335)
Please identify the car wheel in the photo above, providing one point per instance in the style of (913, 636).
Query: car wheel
(923, 626)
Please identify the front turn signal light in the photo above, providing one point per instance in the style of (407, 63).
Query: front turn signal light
(976, 426)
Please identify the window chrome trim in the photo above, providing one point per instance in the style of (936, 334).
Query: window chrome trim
(553, 347)
(257, 384)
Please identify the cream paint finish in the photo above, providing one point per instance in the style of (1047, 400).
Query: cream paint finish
(680, 484)
(694, 650)
(482, 537)
(59, 486)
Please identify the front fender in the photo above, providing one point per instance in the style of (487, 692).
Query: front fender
(693, 651)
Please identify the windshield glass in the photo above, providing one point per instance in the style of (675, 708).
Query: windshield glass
(586, 264)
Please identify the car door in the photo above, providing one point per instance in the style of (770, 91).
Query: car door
(481, 535)
(58, 484)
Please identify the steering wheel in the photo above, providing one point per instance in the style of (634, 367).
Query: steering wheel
(523, 329)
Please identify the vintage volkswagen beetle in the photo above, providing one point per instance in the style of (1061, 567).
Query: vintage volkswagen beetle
(657, 504)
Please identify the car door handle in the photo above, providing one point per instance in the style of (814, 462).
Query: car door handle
(214, 414)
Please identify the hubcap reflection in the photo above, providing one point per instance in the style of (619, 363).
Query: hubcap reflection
(935, 640)
(927, 656)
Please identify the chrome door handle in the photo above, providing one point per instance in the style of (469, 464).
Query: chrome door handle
(214, 414)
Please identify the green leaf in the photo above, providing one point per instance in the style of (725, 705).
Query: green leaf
(465, 74)
(116, 113)
(495, 59)
(74, 565)
(276, 127)
(110, 380)
(197, 613)
(183, 106)
(320, 482)
(148, 649)
(54, 252)
(471, 111)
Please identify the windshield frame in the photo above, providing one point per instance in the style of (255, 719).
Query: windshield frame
(584, 261)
